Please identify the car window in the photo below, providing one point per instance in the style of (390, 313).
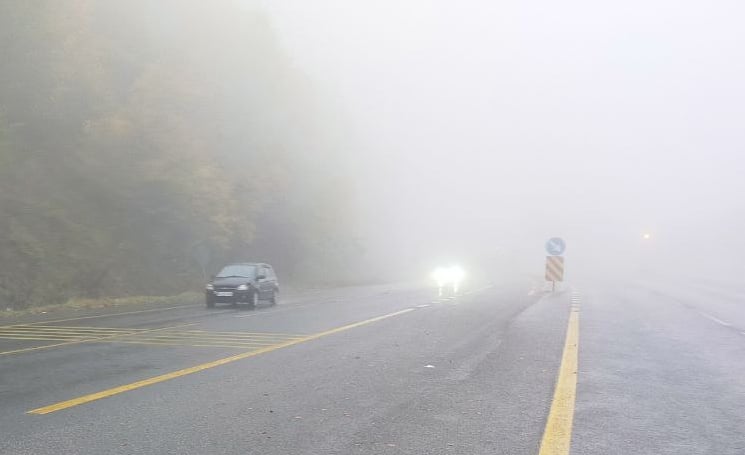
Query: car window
(238, 270)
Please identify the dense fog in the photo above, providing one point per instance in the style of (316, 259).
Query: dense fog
(145, 144)
(482, 128)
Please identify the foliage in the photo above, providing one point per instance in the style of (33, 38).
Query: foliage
(141, 141)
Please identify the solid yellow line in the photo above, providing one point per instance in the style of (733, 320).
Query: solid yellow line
(43, 337)
(59, 332)
(54, 328)
(206, 337)
(209, 340)
(42, 334)
(297, 335)
(37, 348)
(48, 330)
(158, 343)
(189, 342)
(557, 436)
(222, 335)
(197, 368)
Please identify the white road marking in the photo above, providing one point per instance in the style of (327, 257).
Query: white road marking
(425, 305)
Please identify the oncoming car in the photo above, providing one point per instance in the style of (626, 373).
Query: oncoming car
(244, 283)
(448, 278)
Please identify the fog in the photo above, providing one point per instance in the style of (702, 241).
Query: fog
(482, 128)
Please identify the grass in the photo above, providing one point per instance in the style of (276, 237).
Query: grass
(93, 304)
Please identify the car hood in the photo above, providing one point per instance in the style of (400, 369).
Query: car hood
(231, 282)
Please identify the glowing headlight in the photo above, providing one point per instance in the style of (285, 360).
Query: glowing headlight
(242, 287)
(210, 287)
(448, 275)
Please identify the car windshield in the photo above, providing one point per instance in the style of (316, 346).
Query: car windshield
(239, 270)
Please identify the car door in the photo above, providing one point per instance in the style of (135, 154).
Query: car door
(272, 278)
(265, 284)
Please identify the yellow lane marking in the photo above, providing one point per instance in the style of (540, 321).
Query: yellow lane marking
(59, 332)
(40, 337)
(87, 332)
(165, 343)
(557, 436)
(62, 327)
(229, 337)
(38, 348)
(54, 334)
(175, 374)
(216, 340)
(48, 334)
(269, 334)
(89, 340)
(195, 340)
(169, 337)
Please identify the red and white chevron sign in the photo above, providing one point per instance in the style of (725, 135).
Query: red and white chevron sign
(554, 268)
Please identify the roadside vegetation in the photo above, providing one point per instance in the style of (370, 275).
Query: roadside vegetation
(141, 149)
(125, 303)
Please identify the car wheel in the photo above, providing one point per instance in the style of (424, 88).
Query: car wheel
(273, 300)
(254, 300)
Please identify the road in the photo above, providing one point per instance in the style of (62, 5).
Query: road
(388, 370)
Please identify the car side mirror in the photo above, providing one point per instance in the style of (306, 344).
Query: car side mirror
(261, 277)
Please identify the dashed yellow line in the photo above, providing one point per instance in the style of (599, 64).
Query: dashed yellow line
(557, 436)
(197, 368)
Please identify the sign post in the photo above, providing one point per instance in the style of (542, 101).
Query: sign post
(555, 247)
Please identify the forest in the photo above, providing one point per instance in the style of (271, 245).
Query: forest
(144, 144)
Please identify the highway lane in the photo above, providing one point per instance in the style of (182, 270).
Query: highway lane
(658, 374)
(390, 369)
(473, 374)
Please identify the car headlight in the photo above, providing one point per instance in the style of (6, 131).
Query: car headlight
(448, 275)
(210, 287)
(243, 287)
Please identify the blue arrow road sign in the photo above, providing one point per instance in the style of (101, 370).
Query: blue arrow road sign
(556, 246)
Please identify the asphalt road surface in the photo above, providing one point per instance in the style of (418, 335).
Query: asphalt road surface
(388, 370)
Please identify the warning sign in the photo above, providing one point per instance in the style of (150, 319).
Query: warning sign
(554, 268)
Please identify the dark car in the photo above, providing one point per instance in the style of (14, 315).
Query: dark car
(244, 283)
